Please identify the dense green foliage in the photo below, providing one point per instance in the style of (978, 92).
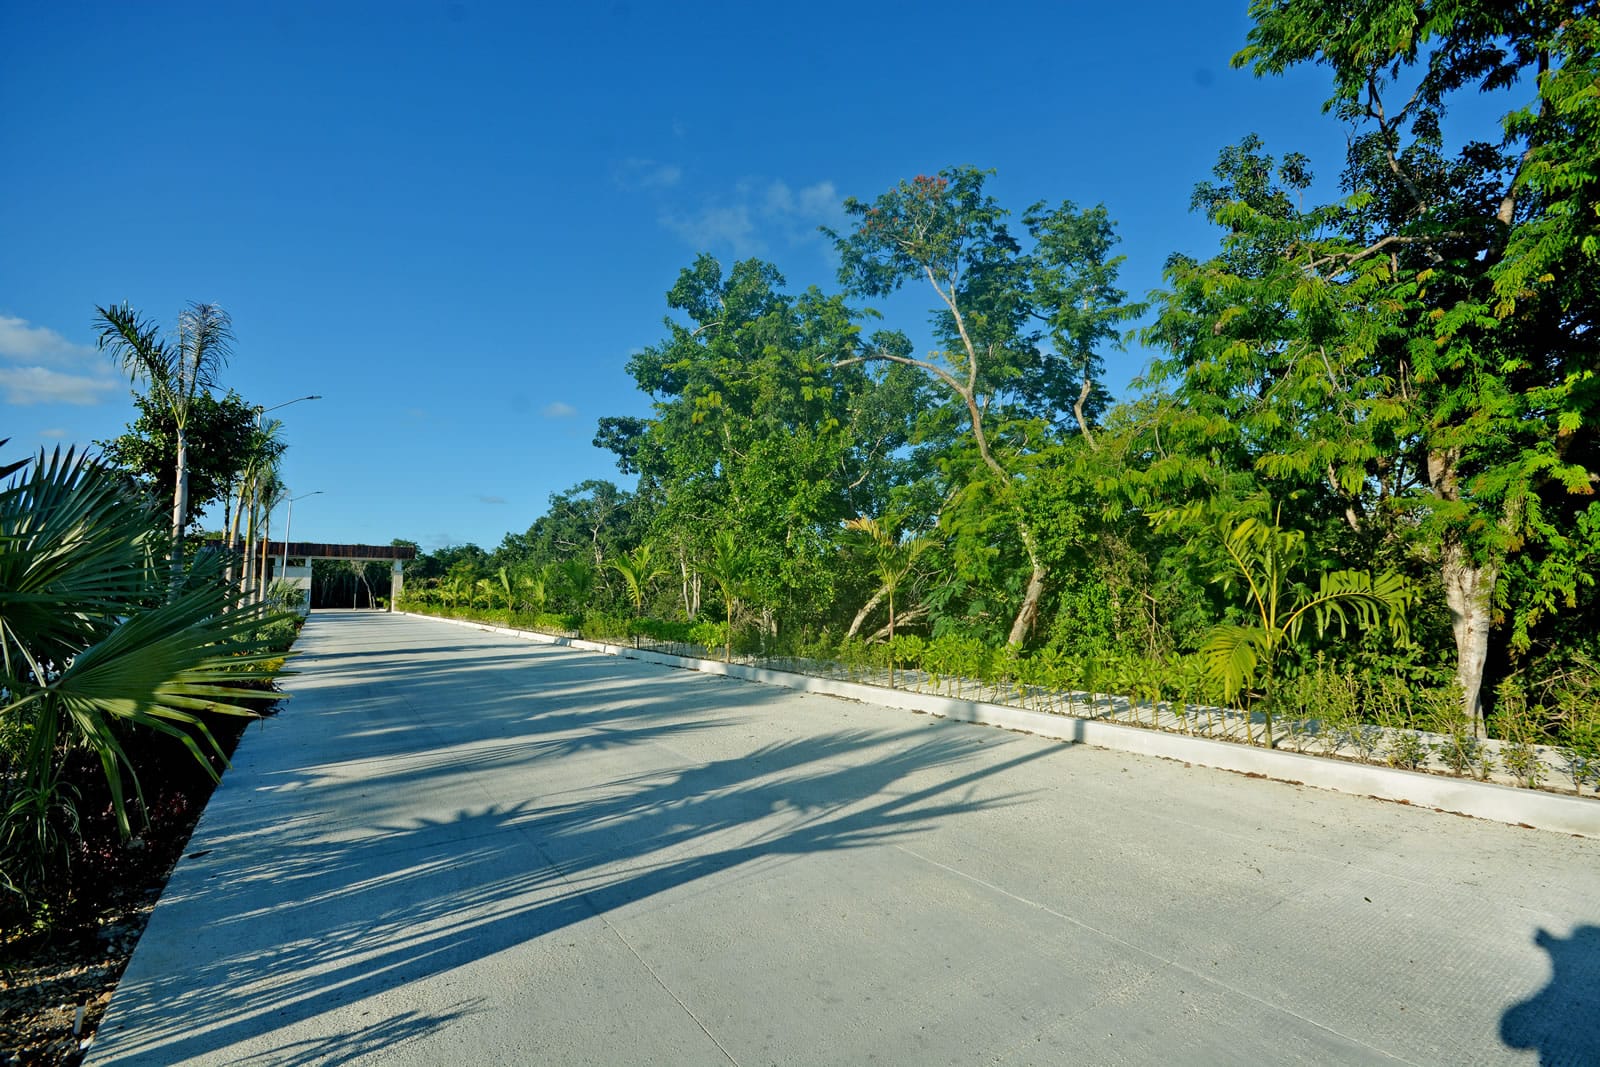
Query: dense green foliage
(220, 437)
(1356, 484)
(118, 651)
(102, 661)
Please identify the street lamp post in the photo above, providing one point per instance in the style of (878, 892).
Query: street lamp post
(288, 524)
(288, 528)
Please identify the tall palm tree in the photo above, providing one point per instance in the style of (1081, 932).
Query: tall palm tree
(176, 374)
(271, 494)
(261, 468)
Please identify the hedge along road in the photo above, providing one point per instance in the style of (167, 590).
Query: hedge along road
(457, 847)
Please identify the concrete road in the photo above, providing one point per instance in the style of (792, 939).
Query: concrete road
(457, 848)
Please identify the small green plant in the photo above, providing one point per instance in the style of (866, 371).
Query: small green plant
(1460, 751)
(1515, 721)
(1366, 738)
(709, 635)
(1404, 748)
(1576, 764)
(904, 650)
(1260, 559)
(1523, 762)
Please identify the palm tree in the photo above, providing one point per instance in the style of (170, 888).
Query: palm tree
(90, 646)
(534, 586)
(1261, 558)
(271, 494)
(893, 557)
(576, 581)
(261, 469)
(176, 375)
(728, 568)
(638, 570)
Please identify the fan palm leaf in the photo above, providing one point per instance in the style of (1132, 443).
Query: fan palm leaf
(88, 644)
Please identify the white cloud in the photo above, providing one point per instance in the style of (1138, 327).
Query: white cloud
(39, 366)
(754, 214)
(491, 500)
(717, 226)
(780, 199)
(558, 410)
(38, 344)
(821, 201)
(53, 434)
(647, 174)
(41, 385)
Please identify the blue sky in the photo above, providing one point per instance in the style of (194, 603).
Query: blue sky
(456, 220)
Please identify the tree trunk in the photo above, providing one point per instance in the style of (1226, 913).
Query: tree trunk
(180, 504)
(227, 532)
(247, 510)
(866, 610)
(1468, 586)
(916, 613)
(1029, 611)
(891, 637)
(262, 564)
(1467, 589)
(235, 571)
(1077, 411)
(690, 585)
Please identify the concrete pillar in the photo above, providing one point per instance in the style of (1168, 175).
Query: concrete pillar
(298, 574)
(396, 582)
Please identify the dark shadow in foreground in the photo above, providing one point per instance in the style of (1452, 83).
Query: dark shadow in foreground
(1561, 1021)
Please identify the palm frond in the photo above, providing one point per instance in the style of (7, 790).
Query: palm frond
(136, 344)
(91, 643)
(1230, 655)
(207, 334)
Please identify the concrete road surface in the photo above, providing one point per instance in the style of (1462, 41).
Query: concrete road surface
(457, 848)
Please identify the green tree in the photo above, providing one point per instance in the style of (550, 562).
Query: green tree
(755, 430)
(220, 438)
(175, 374)
(1425, 349)
(260, 471)
(728, 567)
(1019, 330)
(574, 583)
(591, 521)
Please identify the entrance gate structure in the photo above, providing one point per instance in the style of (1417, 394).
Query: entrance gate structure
(291, 562)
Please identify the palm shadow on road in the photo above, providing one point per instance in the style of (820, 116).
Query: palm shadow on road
(315, 920)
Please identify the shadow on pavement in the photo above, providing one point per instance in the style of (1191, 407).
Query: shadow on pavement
(324, 913)
(1561, 1021)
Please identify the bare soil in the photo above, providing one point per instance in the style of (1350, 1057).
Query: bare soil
(59, 967)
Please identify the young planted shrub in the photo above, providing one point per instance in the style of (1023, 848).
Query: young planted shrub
(1515, 721)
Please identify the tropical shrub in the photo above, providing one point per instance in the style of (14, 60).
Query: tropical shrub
(100, 650)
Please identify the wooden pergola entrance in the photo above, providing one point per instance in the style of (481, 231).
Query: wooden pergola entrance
(291, 561)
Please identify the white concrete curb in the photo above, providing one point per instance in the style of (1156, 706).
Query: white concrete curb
(1483, 800)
